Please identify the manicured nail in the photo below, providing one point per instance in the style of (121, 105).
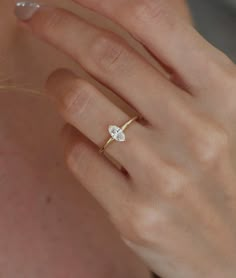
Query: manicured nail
(25, 10)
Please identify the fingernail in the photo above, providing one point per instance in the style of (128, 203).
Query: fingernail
(25, 10)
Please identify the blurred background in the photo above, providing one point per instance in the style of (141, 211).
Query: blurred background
(216, 21)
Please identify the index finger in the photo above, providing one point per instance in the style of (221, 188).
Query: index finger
(161, 27)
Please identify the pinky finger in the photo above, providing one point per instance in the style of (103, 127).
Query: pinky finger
(109, 186)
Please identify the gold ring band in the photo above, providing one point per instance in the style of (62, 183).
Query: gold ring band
(121, 130)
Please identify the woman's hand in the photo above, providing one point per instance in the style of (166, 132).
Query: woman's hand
(175, 203)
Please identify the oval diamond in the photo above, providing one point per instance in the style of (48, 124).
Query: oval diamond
(116, 133)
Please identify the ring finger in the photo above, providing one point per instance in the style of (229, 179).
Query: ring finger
(87, 109)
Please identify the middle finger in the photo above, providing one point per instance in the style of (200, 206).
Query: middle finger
(112, 62)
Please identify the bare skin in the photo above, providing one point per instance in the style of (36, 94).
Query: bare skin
(50, 225)
(174, 205)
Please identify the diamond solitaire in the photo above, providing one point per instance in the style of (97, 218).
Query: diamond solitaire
(116, 133)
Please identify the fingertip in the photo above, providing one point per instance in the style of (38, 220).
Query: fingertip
(57, 76)
(59, 82)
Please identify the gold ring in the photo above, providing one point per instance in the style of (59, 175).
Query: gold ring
(117, 133)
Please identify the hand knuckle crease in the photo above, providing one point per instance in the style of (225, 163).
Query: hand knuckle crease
(77, 98)
(108, 52)
(148, 10)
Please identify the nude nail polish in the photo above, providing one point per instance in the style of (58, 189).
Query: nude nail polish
(25, 10)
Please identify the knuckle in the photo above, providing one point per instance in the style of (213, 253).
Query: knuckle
(76, 99)
(172, 180)
(148, 11)
(109, 53)
(141, 224)
(174, 184)
(224, 79)
(212, 144)
(153, 162)
(222, 64)
(219, 68)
